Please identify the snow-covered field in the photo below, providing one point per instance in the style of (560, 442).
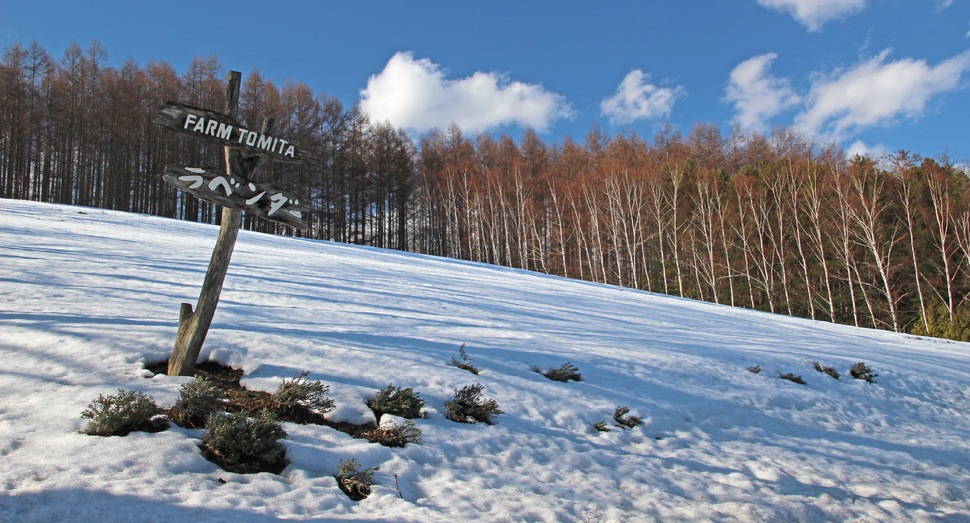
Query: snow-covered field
(87, 296)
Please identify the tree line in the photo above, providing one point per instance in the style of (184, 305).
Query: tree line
(79, 131)
(769, 222)
(773, 222)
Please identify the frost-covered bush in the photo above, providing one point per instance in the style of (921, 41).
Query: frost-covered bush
(827, 370)
(469, 406)
(399, 402)
(624, 421)
(861, 371)
(793, 378)
(393, 435)
(301, 392)
(354, 482)
(244, 444)
(465, 363)
(196, 400)
(564, 373)
(756, 369)
(601, 426)
(119, 414)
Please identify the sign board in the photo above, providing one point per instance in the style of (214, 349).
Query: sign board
(235, 192)
(220, 129)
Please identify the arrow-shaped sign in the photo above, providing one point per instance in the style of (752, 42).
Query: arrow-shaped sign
(235, 192)
(217, 128)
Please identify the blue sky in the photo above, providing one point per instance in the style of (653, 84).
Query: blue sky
(871, 75)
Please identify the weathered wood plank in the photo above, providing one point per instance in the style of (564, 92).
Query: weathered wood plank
(220, 129)
(235, 192)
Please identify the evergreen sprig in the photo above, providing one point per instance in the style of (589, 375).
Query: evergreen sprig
(624, 421)
(468, 406)
(397, 401)
(465, 363)
(354, 482)
(861, 371)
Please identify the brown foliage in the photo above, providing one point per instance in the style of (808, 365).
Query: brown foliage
(773, 222)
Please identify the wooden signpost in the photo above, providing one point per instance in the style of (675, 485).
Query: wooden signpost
(235, 192)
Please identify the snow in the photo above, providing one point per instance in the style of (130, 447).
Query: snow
(88, 296)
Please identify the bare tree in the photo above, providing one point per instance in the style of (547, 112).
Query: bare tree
(869, 210)
(816, 190)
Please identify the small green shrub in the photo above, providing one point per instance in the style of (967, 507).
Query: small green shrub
(941, 324)
(196, 400)
(117, 415)
(601, 426)
(243, 444)
(756, 369)
(465, 363)
(354, 482)
(399, 402)
(793, 378)
(566, 372)
(624, 421)
(827, 370)
(394, 435)
(861, 371)
(469, 406)
(300, 392)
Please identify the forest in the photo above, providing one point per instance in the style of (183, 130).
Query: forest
(775, 222)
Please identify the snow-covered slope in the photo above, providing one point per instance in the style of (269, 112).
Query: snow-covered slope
(87, 296)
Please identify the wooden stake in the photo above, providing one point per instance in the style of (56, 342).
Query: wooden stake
(193, 326)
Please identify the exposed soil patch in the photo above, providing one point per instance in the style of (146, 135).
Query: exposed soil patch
(353, 491)
(239, 399)
(250, 466)
(185, 421)
(227, 377)
(392, 435)
(156, 424)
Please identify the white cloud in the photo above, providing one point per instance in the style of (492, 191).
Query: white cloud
(943, 4)
(813, 14)
(757, 95)
(859, 147)
(879, 153)
(416, 95)
(876, 93)
(636, 99)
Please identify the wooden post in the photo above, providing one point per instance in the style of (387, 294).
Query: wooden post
(234, 190)
(193, 326)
